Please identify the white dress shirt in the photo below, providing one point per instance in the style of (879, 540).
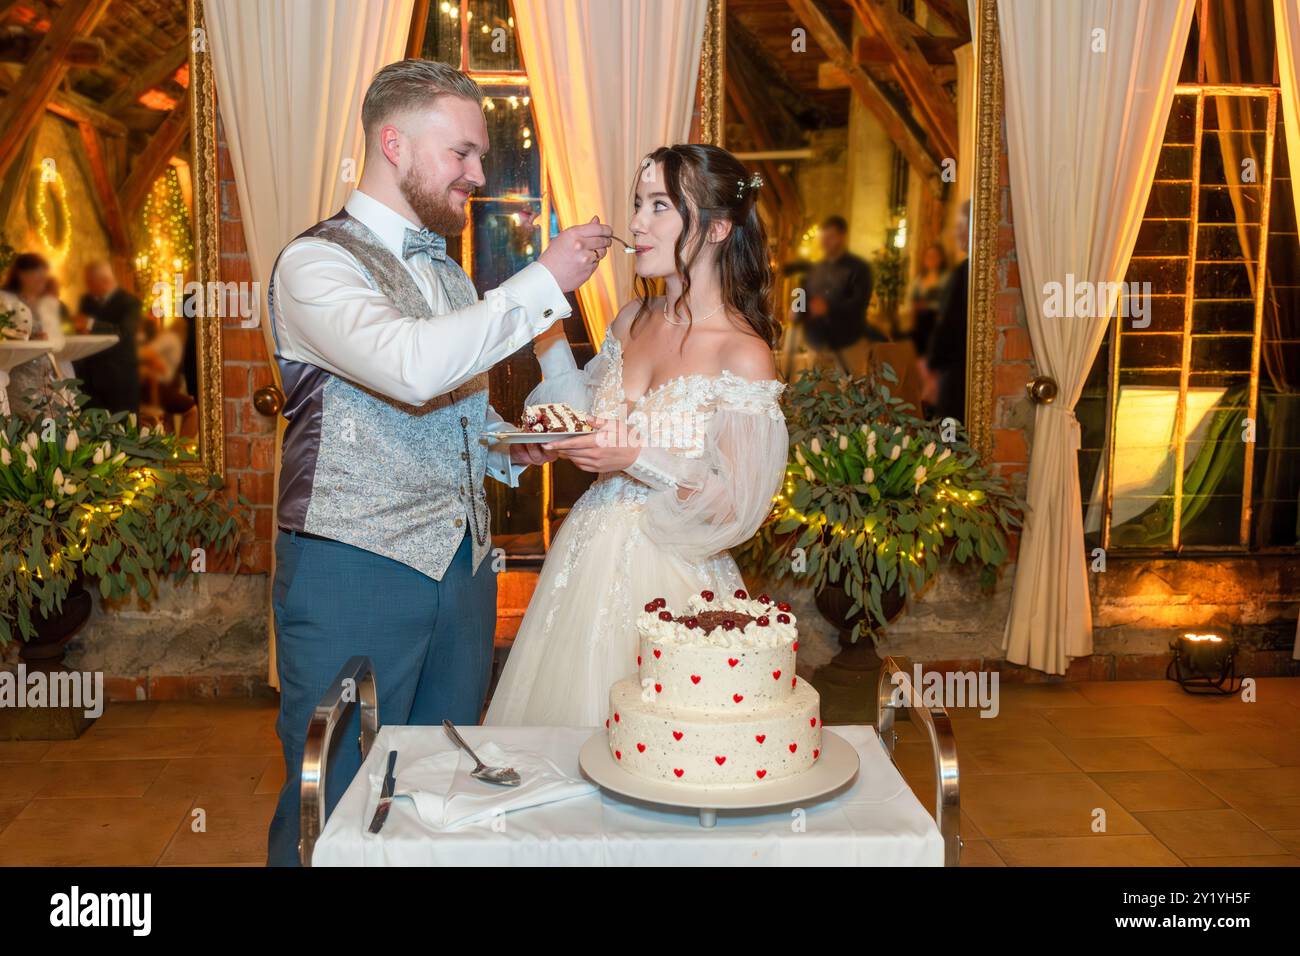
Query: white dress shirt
(328, 315)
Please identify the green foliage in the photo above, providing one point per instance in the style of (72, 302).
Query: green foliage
(88, 495)
(889, 276)
(876, 497)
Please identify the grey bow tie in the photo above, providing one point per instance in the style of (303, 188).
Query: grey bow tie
(422, 240)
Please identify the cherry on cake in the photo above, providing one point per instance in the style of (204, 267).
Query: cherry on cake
(715, 701)
(554, 417)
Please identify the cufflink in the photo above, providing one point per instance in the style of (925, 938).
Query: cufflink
(546, 313)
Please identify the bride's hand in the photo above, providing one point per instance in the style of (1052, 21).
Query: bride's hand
(602, 451)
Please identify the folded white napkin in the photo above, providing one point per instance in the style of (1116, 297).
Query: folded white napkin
(448, 798)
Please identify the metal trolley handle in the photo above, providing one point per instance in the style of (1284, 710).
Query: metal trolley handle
(354, 684)
(894, 692)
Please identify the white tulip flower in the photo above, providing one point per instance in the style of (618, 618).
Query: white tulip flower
(907, 440)
(844, 442)
(816, 446)
(946, 453)
(929, 450)
(798, 456)
(58, 477)
(869, 476)
(808, 473)
(895, 452)
(72, 441)
(98, 457)
(5, 458)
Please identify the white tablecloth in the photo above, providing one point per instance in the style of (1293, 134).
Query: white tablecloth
(876, 822)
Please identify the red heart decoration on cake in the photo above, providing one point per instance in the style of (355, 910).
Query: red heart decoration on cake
(618, 754)
(795, 646)
(793, 681)
(760, 737)
(640, 748)
(793, 748)
(812, 721)
(732, 661)
(737, 697)
(607, 723)
(677, 735)
(638, 660)
(776, 675)
(615, 716)
(720, 760)
(659, 688)
(657, 653)
(678, 772)
(761, 774)
(816, 754)
(695, 678)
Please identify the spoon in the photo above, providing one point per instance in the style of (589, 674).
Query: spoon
(627, 246)
(504, 776)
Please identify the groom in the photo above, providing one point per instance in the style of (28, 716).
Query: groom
(383, 347)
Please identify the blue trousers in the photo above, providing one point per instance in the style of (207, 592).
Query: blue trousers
(430, 642)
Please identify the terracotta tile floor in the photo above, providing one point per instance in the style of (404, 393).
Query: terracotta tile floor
(1123, 774)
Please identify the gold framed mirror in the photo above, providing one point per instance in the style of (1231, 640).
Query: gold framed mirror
(985, 217)
(207, 254)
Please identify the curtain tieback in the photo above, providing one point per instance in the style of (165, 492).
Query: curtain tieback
(1073, 432)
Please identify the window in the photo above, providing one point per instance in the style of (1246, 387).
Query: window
(1191, 416)
(509, 220)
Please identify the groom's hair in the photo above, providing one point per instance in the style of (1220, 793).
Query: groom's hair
(410, 84)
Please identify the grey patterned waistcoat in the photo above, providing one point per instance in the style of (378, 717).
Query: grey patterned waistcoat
(399, 480)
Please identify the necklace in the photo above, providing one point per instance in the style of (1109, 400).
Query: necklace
(710, 313)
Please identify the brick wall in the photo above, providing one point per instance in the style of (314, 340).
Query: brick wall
(250, 436)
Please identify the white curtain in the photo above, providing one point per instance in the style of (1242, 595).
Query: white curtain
(290, 78)
(611, 80)
(1084, 130)
(1286, 19)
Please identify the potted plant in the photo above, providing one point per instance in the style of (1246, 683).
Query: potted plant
(91, 499)
(875, 498)
(888, 277)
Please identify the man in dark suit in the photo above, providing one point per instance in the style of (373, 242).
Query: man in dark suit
(112, 377)
(839, 290)
(945, 359)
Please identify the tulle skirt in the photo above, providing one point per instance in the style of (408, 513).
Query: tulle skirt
(579, 633)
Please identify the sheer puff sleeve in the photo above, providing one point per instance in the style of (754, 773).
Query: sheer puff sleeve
(562, 380)
(715, 495)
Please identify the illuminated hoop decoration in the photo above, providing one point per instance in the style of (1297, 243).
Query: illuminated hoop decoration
(165, 238)
(50, 192)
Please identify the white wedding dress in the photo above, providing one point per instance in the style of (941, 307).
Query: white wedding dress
(660, 529)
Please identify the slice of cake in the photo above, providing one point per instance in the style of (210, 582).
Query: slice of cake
(554, 417)
(715, 701)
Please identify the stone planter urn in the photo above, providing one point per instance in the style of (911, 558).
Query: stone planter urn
(47, 647)
(833, 602)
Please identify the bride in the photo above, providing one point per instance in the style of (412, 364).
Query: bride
(690, 444)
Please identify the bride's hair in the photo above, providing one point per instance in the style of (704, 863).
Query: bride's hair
(708, 184)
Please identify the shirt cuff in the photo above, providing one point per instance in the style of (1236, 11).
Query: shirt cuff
(500, 466)
(535, 290)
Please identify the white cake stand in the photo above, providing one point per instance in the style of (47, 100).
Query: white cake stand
(837, 765)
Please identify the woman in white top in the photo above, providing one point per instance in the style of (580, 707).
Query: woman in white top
(691, 372)
(27, 281)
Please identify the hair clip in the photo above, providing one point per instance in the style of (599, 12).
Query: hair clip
(755, 181)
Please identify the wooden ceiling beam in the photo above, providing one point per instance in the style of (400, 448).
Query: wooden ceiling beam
(25, 103)
(954, 14)
(154, 75)
(71, 106)
(109, 208)
(931, 104)
(162, 146)
(897, 125)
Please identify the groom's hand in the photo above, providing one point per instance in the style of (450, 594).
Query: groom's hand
(531, 455)
(574, 254)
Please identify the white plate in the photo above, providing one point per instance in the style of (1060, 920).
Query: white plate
(837, 766)
(529, 438)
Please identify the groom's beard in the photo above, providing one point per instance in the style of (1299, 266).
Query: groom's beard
(434, 210)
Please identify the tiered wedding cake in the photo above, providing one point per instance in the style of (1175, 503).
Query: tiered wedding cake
(715, 700)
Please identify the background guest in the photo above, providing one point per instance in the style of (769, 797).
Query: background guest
(926, 295)
(839, 290)
(28, 280)
(112, 377)
(945, 358)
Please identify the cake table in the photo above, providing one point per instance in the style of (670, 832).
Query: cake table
(875, 821)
